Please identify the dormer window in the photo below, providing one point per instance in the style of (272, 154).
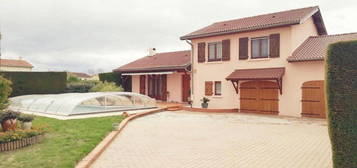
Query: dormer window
(260, 47)
(215, 51)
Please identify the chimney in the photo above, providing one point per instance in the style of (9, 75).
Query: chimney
(152, 51)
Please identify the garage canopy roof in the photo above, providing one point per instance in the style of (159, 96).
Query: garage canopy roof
(256, 74)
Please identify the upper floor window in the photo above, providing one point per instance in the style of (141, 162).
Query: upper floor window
(215, 51)
(260, 47)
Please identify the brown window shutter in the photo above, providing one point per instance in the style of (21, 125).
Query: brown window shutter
(142, 84)
(208, 88)
(226, 49)
(243, 48)
(201, 52)
(274, 45)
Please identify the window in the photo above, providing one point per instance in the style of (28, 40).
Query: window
(217, 88)
(215, 51)
(260, 47)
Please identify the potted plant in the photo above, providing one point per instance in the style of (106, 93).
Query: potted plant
(8, 120)
(26, 121)
(204, 103)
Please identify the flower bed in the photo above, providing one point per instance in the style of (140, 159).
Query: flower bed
(12, 140)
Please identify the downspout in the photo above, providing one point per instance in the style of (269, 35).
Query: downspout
(192, 70)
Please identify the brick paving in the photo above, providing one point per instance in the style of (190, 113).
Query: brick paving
(203, 140)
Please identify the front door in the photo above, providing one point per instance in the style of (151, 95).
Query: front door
(157, 87)
(259, 97)
(185, 87)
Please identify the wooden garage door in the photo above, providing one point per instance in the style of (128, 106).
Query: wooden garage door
(313, 99)
(259, 97)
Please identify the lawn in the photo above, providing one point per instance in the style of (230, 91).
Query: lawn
(65, 143)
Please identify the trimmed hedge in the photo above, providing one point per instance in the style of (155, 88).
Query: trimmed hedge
(24, 83)
(111, 77)
(341, 88)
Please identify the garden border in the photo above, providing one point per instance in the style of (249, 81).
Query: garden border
(13, 145)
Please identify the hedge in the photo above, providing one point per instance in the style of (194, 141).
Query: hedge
(24, 83)
(117, 79)
(341, 90)
(111, 77)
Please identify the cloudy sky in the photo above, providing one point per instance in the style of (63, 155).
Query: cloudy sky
(100, 35)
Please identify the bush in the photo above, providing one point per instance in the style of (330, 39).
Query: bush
(341, 88)
(24, 83)
(6, 115)
(25, 118)
(81, 86)
(106, 87)
(110, 77)
(5, 91)
(10, 136)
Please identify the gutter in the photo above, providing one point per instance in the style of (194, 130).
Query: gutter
(192, 70)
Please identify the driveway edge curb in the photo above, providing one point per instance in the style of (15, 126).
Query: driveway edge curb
(88, 160)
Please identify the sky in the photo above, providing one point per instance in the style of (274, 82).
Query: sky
(94, 36)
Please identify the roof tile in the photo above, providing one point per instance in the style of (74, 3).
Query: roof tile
(251, 74)
(159, 61)
(315, 47)
(295, 16)
(15, 63)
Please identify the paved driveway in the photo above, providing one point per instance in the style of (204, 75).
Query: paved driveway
(201, 140)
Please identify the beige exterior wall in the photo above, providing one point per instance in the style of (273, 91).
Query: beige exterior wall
(295, 74)
(7, 68)
(174, 86)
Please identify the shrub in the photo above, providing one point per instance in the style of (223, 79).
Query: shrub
(10, 136)
(106, 87)
(6, 115)
(24, 83)
(25, 118)
(81, 86)
(110, 77)
(341, 89)
(5, 91)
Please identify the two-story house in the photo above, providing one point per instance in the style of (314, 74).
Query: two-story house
(271, 63)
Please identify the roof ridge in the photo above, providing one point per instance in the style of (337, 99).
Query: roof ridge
(332, 35)
(267, 14)
(172, 51)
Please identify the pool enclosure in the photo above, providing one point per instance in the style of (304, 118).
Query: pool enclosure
(68, 104)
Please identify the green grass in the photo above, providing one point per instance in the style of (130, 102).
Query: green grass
(65, 143)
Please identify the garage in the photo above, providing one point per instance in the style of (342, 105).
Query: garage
(313, 99)
(258, 89)
(259, 97)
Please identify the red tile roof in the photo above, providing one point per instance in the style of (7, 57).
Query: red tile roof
(284, 18)
(315, 47)
(15, 63)
(159, 62)
(251, 74)
(80, 74)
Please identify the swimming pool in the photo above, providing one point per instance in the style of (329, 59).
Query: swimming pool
(69, 104)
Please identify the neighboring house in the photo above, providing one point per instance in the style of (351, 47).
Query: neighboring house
(81, 75)
(94, 77)
(271, 64)
(15, 65)
(163, 76)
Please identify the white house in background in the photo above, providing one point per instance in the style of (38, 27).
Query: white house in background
(15, 65)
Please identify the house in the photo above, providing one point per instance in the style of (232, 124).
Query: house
(268, 64)
(15, 65)
(163, 76)
(80, 75)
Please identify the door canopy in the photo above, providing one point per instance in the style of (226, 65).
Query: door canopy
(275, 74)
